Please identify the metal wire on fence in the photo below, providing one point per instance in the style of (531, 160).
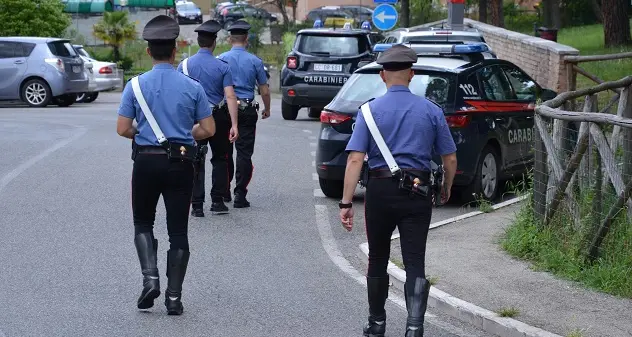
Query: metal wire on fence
(582, 176)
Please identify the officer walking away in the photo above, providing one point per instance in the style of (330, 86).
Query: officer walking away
(399, 132)
(163, 100)
(247, 71)
(215, 77)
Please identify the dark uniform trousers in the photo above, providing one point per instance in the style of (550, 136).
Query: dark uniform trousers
(245, 147)
(221, 160)
(387, 206)
(153, 175)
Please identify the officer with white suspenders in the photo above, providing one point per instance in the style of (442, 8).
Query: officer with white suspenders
(166, 106)
(215, 77)
(399, 132)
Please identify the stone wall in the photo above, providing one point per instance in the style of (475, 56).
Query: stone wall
(541, 59)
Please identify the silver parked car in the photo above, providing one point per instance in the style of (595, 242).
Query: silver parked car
(104, 76)
(40, 71)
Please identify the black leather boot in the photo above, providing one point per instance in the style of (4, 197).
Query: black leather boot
(147, 249)
(218, 207)
(177, 261)
(240, 201)
(197, 210)
(416, 292)
(377, 289)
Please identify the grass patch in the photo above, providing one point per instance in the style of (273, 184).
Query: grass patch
(589, 40)
(575, 333)
(508, 312)
(560, 248)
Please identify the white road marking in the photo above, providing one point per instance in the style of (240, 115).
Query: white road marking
(312, 144)
(313, 153)
(312, 137)
(319, 193)
(307, 131)
(315, 176)
(27, 164)
(313, 163)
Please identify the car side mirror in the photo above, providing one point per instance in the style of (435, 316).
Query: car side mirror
(547, 95)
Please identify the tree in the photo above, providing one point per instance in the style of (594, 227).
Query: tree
(497, 17)
(405, 13)
(281, 5)
(616, 25)
(551, 14)
(45, 18)
(114, 29)
(482, 10)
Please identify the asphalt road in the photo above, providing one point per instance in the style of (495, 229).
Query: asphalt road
(284, 267)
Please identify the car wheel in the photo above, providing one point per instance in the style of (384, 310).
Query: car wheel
(487, 178)
(65, 100)
(331, 188)
(91, 97)
(81, 97)
(314, 112)
(36, 93)
(289, 111)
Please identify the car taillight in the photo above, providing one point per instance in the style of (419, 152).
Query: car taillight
(457, 121)
(292, 62)
(57, 63)
(105, 70)
(333, 118)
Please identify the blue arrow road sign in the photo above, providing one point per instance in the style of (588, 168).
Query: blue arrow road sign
(385, 1)
(384, 17)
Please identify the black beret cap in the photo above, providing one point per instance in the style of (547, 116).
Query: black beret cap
(239, 27)
(210, 27)
(398, 57)
(161, 28)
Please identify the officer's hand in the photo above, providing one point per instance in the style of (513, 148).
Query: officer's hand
(265, 114)
(445, 194)
(233, 134)
(346, 217)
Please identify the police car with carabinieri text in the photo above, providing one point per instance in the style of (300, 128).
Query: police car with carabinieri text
(488, 103)
(321, 61)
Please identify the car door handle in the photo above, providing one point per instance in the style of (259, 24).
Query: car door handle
(18, 62)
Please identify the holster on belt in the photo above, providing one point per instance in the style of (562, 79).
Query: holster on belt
(413, 183)
(175, 151)
(247, 106)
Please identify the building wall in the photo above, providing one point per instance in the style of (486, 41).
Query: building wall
(541, 59)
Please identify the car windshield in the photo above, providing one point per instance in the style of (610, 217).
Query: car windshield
(439, 38)
(328, 45)
(363, 86)
(61, 49)
(187, 7)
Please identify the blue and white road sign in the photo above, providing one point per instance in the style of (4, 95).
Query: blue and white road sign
(385, 1)
(385, 17)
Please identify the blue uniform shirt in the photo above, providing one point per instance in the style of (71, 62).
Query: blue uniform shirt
(412, 127)
(175, 100)
(213, 74)
(247, 71)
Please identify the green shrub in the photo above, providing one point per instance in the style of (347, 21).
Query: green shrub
(288, 42)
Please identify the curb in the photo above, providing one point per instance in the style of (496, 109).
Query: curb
(470, 313)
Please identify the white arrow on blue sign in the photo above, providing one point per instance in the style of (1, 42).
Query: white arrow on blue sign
(385, 17)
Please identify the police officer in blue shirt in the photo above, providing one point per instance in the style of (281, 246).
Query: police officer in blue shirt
(412, 128)
(214, 75)
(247, 71)
(165, 104)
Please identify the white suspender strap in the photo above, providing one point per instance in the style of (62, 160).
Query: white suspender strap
(185, 69)
(143, 105)
(377, 136)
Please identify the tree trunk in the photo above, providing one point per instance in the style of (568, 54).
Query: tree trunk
(116, 55)
(616, 23)
(405, 18)
(482, 11)
(556, 16)
(497, 13)
(294, 12)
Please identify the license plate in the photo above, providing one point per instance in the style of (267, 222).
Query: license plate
(327, 67)
(317, 79)
(192, 17)
(76, 69)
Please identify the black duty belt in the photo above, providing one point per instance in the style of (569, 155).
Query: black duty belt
(387, 173)
(152, 149)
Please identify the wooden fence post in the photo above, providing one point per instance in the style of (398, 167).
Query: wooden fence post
(540, 175)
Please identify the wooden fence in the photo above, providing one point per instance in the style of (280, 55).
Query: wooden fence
(584, 151)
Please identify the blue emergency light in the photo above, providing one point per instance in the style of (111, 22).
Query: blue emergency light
(366, 25)
(318, 23)
(471, 48)
(381, 47)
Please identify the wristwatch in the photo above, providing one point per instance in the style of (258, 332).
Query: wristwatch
(345, 205)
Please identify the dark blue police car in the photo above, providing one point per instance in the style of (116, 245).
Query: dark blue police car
(321, 61)
(488, 103)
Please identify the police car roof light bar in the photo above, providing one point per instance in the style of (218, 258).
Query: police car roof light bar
(471, 48)
(381, 47)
